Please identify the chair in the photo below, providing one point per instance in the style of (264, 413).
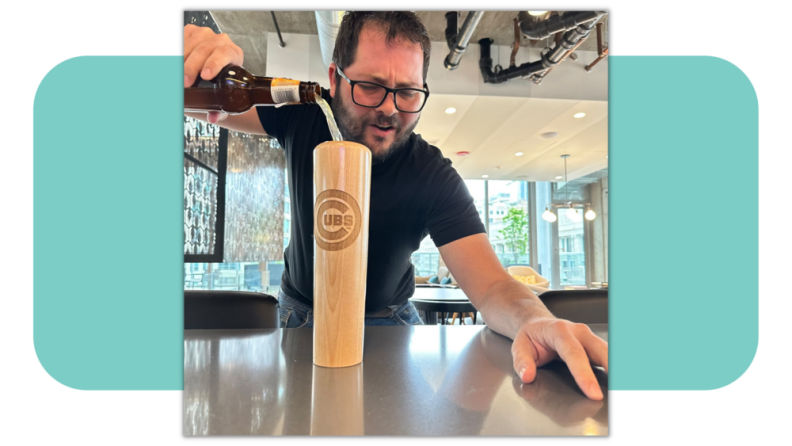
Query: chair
(442, 273)
(528, 271)
(217, 309)
(431, 307)
(582, 306)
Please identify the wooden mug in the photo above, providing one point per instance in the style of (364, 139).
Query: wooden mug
(342, 190)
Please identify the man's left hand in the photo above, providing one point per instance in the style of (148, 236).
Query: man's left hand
(543, 340)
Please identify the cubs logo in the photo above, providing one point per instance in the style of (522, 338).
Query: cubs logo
(336, 220)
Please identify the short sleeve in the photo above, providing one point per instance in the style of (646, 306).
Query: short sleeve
(453, 214)
(274, 120)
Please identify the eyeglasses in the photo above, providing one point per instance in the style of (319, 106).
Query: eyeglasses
(371, 95)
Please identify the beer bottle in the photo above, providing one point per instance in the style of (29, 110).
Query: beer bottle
(235, 90)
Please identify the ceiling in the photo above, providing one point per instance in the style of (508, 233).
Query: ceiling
(249, 29)
(491, 129)
(494, 129)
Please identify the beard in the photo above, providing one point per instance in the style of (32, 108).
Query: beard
(354, 129)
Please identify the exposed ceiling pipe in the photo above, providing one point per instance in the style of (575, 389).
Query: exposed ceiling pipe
(538, 30)
(327, 23)
(566, 46)
(452, 27)
(515, 45)
(540, 76)
(537, 70)
(458, 41)
(602, 51)
(490, 77)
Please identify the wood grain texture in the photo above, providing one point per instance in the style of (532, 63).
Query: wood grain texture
(342, 190)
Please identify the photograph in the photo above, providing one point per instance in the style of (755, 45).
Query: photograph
(395, 223)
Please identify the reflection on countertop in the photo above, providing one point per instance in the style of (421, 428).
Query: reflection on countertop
(421, 381)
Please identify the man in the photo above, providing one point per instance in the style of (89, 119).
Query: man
(415, 192)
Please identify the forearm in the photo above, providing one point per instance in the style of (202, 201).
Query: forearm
(247, 122)
(508, 304)
(198, 116)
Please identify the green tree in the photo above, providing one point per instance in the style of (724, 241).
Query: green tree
(515, 231)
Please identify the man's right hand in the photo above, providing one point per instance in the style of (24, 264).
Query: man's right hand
(205, 54)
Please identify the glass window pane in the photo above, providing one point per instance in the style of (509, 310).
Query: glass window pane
(571, 249)
(544, 232)
(509, 231)
(242, 276)
(476, 189)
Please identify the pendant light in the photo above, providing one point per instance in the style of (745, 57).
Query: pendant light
(571, 212)
(549, 216)
(590, 215)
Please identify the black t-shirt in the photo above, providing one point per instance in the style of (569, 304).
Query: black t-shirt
(414, 193)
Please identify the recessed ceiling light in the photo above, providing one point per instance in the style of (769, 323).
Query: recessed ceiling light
(580, 115)
(549, 135)
(450, 110)
(559, 177)
(519, 154)
(485, 176)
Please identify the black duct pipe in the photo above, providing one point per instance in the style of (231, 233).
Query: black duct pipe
(490, 77)
(452, 25)
(538, 69)
(556, 24)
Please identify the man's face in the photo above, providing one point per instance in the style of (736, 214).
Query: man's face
(398, 64)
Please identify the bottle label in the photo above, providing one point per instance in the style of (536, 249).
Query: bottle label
(285, 90)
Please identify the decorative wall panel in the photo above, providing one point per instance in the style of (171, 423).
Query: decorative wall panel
(254, 209)
(204, 170)
(200, 209)
(202, 141)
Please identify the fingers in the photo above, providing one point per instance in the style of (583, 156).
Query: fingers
(195, 62)
(206, 53)
(524, 357)
(215, 117)
(220, 57)
(191, 39)
(195, 36)
(596, 348)
(574, 355)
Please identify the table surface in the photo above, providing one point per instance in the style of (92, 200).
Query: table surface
(440, 294)
(414, 380)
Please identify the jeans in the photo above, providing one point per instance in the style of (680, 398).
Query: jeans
(295, 314)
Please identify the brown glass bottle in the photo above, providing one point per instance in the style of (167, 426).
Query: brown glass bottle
(235, 90)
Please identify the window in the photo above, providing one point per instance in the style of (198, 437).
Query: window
(571, 250)
(264, 276)
(426, 260)
(509, 232)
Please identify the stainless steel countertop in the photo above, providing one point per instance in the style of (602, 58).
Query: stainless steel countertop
(418, 380)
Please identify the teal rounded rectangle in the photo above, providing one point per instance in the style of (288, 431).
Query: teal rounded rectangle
(108, 311)
(684, 223)
(107, 223)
